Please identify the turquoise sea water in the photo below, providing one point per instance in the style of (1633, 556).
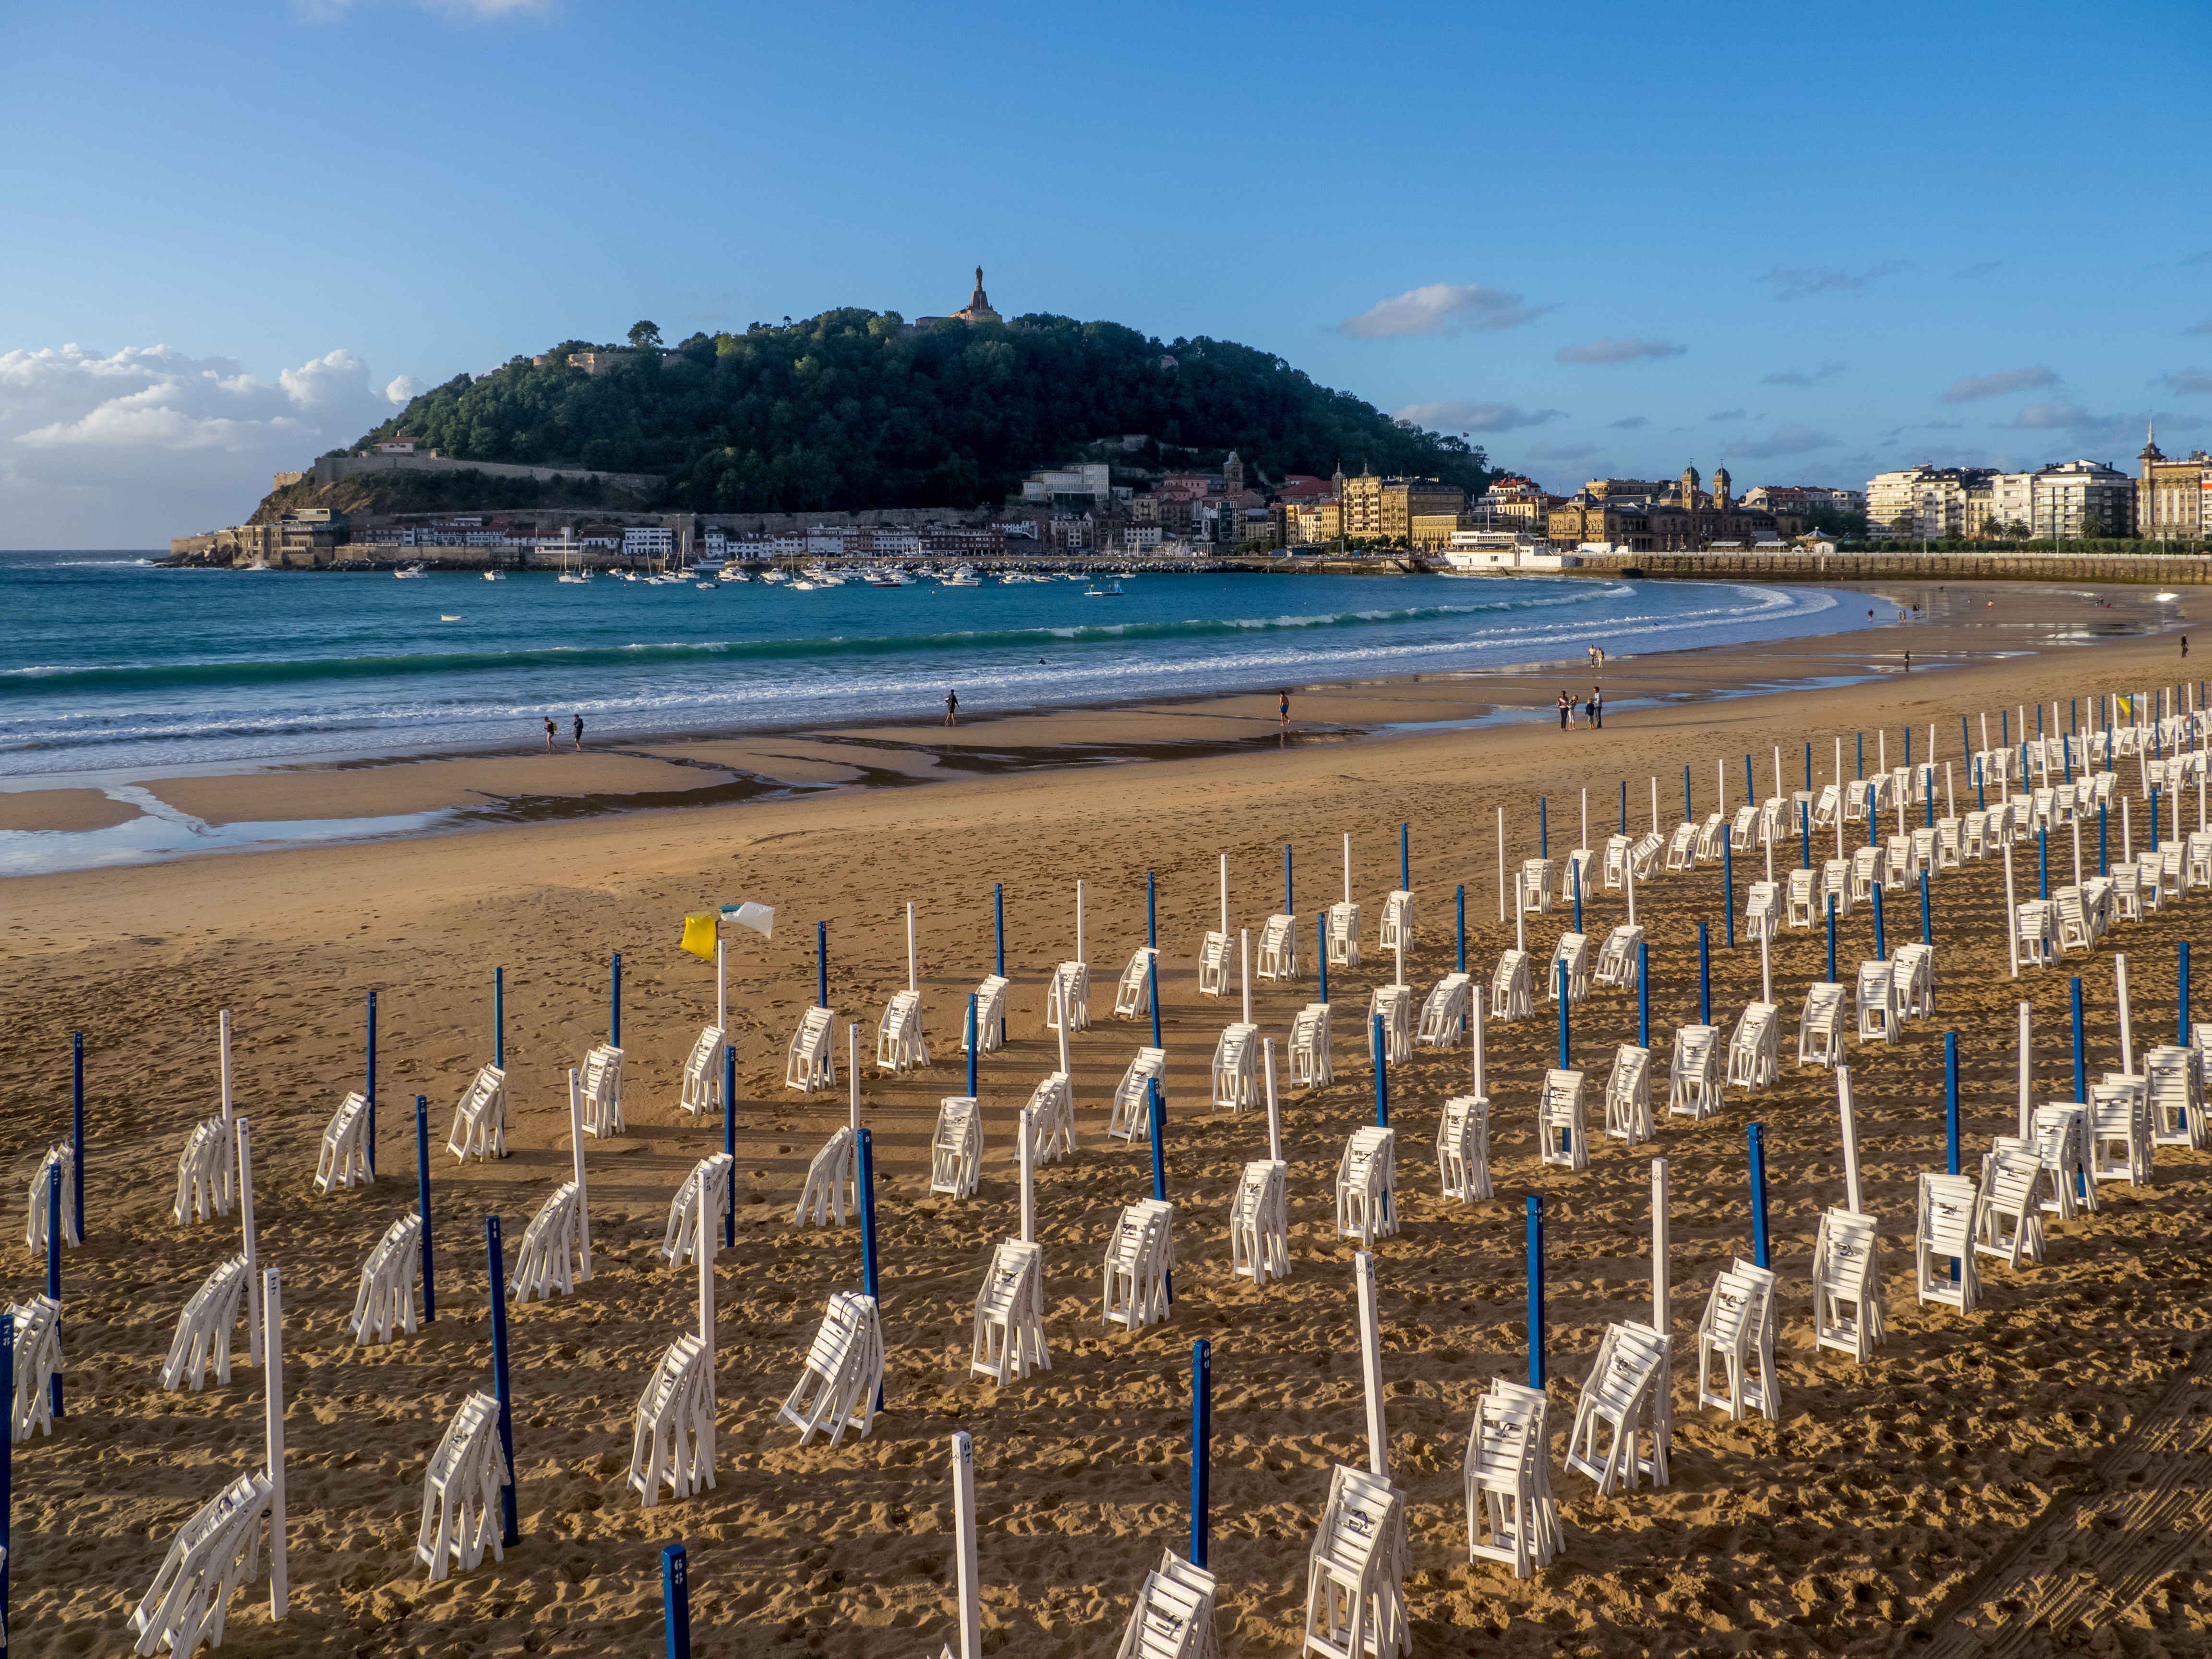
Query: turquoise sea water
(111, 663)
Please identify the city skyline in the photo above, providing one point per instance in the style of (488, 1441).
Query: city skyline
(1767, 250)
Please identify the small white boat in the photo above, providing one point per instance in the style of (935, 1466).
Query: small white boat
(574, 576)
(803, 586)
(495, 575)
(963, 576)
(449, 617)
(411, 572)
(705, 587)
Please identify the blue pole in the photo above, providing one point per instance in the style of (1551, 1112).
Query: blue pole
(2043, 863)
(1804, 835)
(1459, 925)
(1289, 905)
(1320, 940)
(1951, 1097)
(2182, 1040)
(1809, 768)
(973, 1041)
(2154, 819)
(1152, 912)
(1756, 1138)
(730, 1138)
(676, 1598)
(868, 1213)
(1201, 1447)
(1705, 978)
(1158, 1109)
(1908, 739)
(1750, 784)
(1831, 940)
(422, 1203)
(1643, 993)
(1624, 806)
(1687, 813)
(370, 1090)
(1536, 1290)
(2004, 727)
(510, 1523)
(1575, 873)
(999, 924)
(1863, 756)
(1543, 832)
(1881, 944)
(2080, 1059)
(1966, 738)
(1927, 931)
(7, 1459)
(1152, 985)
(822, 964)
(2103, 845)
(1404, 861)
(76, 1132)
(1562, 988)
(1382, 1084)
(1728, 888)
(499, 1017)
(54, 1263)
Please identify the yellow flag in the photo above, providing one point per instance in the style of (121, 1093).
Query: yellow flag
(699, 933)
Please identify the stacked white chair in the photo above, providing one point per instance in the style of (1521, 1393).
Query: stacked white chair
(1628, 1095)
(2074, 925)
(1803, 891)
(955, 1148)
(460, 1492)
(1355, 1575)
(202, 1330)
(1693, 1086)
(2035, 923)
(37, 1361)
(1236, 1054)
(2125, 893)
(552, 1254)
(204, 1177)
(1643, 855)
(702, 1074)
(1133, 996)
(1507, 1474)
(1738, 1332)
(1743, 828)
(1825, 807)
(1865, 874)
(1260, 1222)
(1509, 987)
(1367, 1186)
(1574, 874)
(1313, 1061)
(1857, 797)
(1682, 846)
(1393, 1005)
(702, 1196)
(843, 1372)
(1752, 1048)
(215, 1552)
(673, 1431)
(1847, 1284)
(1615, 863)
(1950, 850)
(1762, 910)
(1617, 958)
(1712, 837)
(2119, 1130)
(1942, 1234)
(1913, 974)
(1536, 885)
(2177, 1110)
(2062, 1142)
(1877, 1003)
(346, 1147)
(1563, 1137)
(1344, 935)
(1067, 995)
(2007, 1216)
(386, 1296)
(827, 1177)
(990, 1016)
(600, 1078)
(2200, 858)
(1173, 1616)
(1130, 1117)
(1140, 1255)
(899, 1045)
(812, 1062)
(1397, 927)
(1820, 1026)
(1444, 1012)
(1464, 1148)
(1215, 954)
(1897, 861)
(1975, 834)
(1835, 890)
(1054, 1102)
(1278, 948)
(480, 1117)
(1573, 952)
(1618, 1407)
(1924, 859)
(1009, 1334)
(39, 1225)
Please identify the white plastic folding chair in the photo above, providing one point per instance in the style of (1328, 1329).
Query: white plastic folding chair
(956, 1147)
(386, 1296)
(672, 1430)
(1562, 1136)
(1215, 953)
(1615, 861)
(1912, 972)
(1974, 835)
(1444, 1012)
(1393, 1005)
(1573, 951)
(551, 1257)
(1857, 793)
(1820, 1026)
(900, 1046)
(1762, 910)
(1694, 1083)
(1139, 1254)
(701, 1090)
(1344, 934)
(1130, 1117)
(1574, 874)
(1367, 1186)
(1743, 828)
(1009, 1339)
(1504, 1478)
(1235, 1073)
(2124, 892)
(1877, 1003)
(702, 1197)
(480, 1117)
(1133, 996)
(1053, 1101)
(1536, 885)
(1943, 1235)
(2176, 1097)
(1682, 848)
(1802, 891)
(1355, 1575)
(1618, 958)
(1643, 855)
(1846, 1284)
(828, 1175)
(1260, 1222)
(1614, 1408)
(37, 1361)
(1397, 928)
(1752, 1060)
(1835, 888)
(1313, 1061)
(204, 1330)
(1950, 849)
(460, 1492)
(1509, 987)
(1897, 865)
(2120, 1131)
(1737, 1331)
(1628, 1095)
(2007, 1214)
(205, 1174)
(215, 1551)
(1464, 1148)
(1866, 872)
(1826, 804)
(2073, 933)
(344, 1157)
(842, 1373)
(2035, 922)
(1173, 1616)
(1067, 997)
(600, 1079)
(990, 1016)
(2062, 1142)
(810, 1062)
(1712, 837)
(2200, 858)
(1278, 948)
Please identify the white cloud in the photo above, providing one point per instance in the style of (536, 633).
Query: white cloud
(404, 390)
(2190, 382)
(1626, 349)
(130, 447)
(1797, 282)
(1456, 415)
(1799, 376)
(1789, 438)
(1977, 386)
(1440, 309)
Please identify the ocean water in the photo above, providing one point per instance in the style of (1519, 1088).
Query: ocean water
(113, 664)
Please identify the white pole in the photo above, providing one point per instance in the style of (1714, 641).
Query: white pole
(912, 972)
(1028, 1174)
(1655, 806)
(1765, 971)
(1985, 731)
(853, 1076)
(721, 988)
(702, 1253)
(583, 1192)
(2127, 1036)
(1586, 818)
(1520, 915)
(280, 1573)
(1401, 979)
(963, 1523)
(1064, 1071)
(1881, 753)
(225, 1065)
(1274, 1117)
(1244, 970)
(1662, 1314)
(1501, 864)
(2127, 834)
(1628, 878)
(1851, 1196)
(1777, 770)
(2027, 1106)
(1950, 801)
(1370, 1362)
(2011, 915)
(1720, 784)
(1347, 867)
(2077, 849)
(1225, 895)
(243, 1127)
(1476, 1015)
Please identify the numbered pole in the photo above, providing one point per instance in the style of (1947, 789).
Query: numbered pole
(1951, 1097)
(1202, 1448)
(822, 964)
(252, 1250)
(280, 1572)
(614, 1002)
(1370, 1362)
(422, 1204)
(510, 1523)
(1536, 1237)
(1756, 1141)
(676, 1598)
(369, 1092)
(76, 1112)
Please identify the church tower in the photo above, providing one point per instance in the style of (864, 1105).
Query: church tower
(1232, 472)
(1721, 482)
(1690, 482)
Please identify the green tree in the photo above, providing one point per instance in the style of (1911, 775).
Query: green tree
(646, 336)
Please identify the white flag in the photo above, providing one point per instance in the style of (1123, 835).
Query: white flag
(761, 917)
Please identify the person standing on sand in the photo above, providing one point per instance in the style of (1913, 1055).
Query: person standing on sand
(549, 734)
(579, 733)
(1283, 697)
(953, 708)
(1596, 709)
(1566, 710)
(2184, 645)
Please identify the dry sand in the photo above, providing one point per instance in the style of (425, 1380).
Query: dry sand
(2049, 1451)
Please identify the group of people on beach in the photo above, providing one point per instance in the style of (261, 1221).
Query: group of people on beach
(1592, 709)
(551, 729)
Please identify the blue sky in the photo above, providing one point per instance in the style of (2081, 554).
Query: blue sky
(1810, 242)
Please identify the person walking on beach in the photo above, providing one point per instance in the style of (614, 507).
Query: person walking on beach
(1283, 697)
(1596, 709)
(579, 733)
(952, 707)
(549, 734)
(1566, 710)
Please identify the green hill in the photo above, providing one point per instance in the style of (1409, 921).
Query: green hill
(855, 409)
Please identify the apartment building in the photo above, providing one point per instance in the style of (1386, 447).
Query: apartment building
(1386, 507)
(2174, 498)
(1922, 502)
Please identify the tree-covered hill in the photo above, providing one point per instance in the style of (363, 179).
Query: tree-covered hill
(855, 409)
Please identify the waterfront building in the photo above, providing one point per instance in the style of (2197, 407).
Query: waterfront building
(1384, 509)
(2174, 498)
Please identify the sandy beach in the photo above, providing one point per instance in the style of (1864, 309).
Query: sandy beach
(2034, 1477)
